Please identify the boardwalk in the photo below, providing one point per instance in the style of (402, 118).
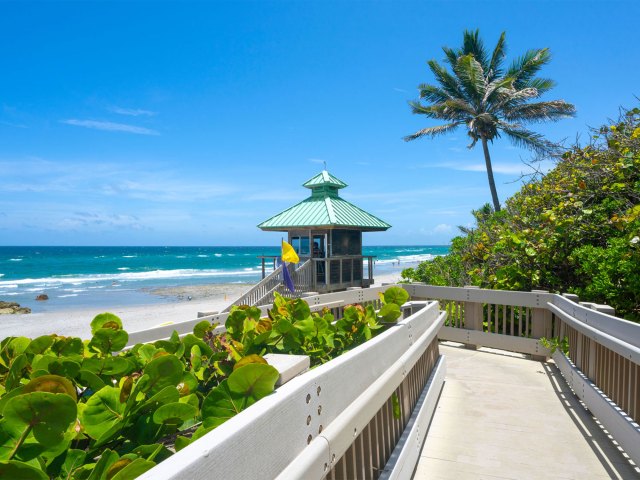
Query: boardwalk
(501, 416)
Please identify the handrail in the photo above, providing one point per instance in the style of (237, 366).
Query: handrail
(602, 365)
(617, 345)
(258, 291)
(317, 399)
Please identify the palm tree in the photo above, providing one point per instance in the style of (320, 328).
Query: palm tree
(489, 99)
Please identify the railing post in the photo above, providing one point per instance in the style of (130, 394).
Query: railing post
(541, 325)
(472, 316)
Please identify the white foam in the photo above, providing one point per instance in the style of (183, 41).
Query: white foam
(125, 276)
(69, 295)
(407, 259)
(15, 259)
(217, 254)
(1, 274)
(181, 256)
(124, 268)
(202, 256)
(129, 256)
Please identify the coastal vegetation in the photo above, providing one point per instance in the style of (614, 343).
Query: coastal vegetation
(90, 410)
(490, 99)
(574, 229)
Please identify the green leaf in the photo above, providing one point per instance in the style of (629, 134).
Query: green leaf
(202, 328)
(132, 470)
(105, 320)
(195, 358)
(73, 460)
(64, 368)
(389, 312)
(102, 412)
(306, 327)
(174, 414)
(90, 379)
(15, 470)
(16, 371)
(301, 310)
(49, 415)
(396, 295)
(220, 405)
(249, 359)
(167, 395)
(181, 442)
(253, 381)
(283, 326)
(235, 323)
(164, 371)
(40, 344)
(51, 384)
(396, 406)
(108, 340)
(107, 458)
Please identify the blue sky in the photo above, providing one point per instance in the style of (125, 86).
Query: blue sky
(160, 123)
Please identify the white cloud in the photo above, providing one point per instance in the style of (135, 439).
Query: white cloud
(317, 160)
(110, 126)
(92, 220)
(504, 168)
(133, 112)
(443, 228)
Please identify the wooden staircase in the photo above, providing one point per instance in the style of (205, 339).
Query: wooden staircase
(262, 293)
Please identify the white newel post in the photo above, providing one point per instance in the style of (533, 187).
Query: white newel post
(472, 316)
(541, 325)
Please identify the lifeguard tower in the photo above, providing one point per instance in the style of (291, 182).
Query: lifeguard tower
(326, 232)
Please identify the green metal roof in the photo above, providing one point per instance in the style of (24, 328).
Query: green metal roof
(322, 179)
(324, 208)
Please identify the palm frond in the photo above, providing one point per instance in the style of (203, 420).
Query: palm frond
(497, 89)
(531, 141)
(434, 94)
(472, 45)
(542, 85)
(499, 52)
(505, 100)
(451, 55)
(432, 131)
(448, 82)
(524, 68)
(552, 111)
(471, 76)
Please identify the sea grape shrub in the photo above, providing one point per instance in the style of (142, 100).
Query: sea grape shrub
(88, 410)
(290, 327)
(575, 229)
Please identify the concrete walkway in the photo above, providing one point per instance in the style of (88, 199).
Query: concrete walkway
(501, 416)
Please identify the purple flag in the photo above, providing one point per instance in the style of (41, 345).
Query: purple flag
(287, 277)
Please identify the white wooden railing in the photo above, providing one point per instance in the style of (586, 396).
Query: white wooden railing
(336, 421)
(602, 365)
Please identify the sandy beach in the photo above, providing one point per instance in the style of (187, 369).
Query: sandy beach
(183, 304)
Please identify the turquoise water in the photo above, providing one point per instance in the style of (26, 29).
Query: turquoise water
(88, 276)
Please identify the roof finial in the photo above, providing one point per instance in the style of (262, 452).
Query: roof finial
(325, 164)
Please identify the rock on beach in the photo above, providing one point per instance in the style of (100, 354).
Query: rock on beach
(10, 308)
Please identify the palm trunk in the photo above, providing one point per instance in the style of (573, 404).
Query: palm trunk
(492, 183)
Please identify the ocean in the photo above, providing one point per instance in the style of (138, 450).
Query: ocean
(90, 276)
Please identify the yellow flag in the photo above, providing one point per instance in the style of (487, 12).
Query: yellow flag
(289, 254)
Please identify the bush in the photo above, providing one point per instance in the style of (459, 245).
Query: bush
(574, 229)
